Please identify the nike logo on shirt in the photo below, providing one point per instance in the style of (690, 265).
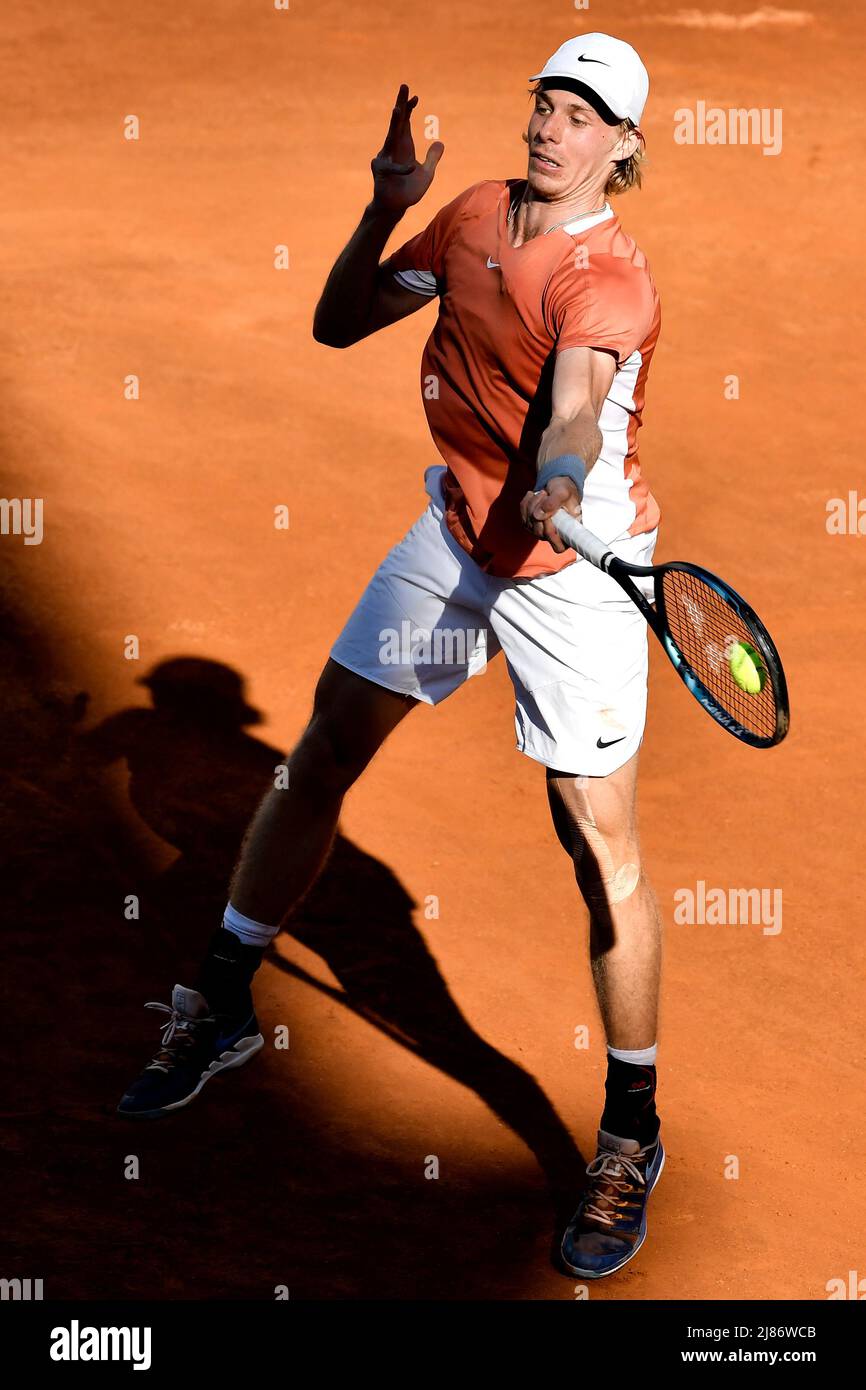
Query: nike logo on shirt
(491, 265)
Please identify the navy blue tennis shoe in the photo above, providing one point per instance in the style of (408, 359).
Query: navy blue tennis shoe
(610, 1224)
(196, 1045)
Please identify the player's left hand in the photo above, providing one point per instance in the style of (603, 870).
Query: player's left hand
(537, 508)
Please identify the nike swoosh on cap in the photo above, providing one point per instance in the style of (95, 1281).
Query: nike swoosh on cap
(581, 59)
(609, 742)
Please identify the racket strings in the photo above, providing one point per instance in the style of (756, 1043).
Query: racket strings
(705, 629)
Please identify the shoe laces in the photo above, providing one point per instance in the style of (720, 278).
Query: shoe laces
(178, 1032)
(614, 1176)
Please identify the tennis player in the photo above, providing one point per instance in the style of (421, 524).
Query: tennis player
(533, 383)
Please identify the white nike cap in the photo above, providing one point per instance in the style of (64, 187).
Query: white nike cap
(609, 67)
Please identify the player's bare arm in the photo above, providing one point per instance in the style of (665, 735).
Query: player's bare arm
(581, 380)
(360, 296)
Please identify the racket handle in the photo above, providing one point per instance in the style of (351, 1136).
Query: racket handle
(581, 540)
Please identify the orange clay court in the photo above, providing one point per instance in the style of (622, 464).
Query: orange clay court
(411, 1033)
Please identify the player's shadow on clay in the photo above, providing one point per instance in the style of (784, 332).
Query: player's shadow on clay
(196, 776)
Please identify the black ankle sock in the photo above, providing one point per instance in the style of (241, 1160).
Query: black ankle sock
(226, 974)
(630, 1106)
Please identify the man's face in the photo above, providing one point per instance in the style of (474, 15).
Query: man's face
(580, 145)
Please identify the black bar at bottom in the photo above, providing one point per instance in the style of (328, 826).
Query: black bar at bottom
(207, 1340)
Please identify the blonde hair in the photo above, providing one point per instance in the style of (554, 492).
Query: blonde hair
(626, 173)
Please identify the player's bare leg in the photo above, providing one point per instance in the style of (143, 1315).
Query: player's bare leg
(213, 1026)
(596, 821)
(292, 831)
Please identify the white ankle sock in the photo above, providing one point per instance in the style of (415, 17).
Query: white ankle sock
(643, 1057)
(249, 932)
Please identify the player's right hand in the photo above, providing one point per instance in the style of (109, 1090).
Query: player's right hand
(399, 180)
(538, 508)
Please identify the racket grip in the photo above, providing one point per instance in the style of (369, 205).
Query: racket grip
(581, 540)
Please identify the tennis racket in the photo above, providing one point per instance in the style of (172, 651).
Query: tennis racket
(698, 619)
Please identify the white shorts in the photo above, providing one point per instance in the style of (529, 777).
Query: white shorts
(574, 643)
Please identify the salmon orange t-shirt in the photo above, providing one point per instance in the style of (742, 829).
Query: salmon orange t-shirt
(487, 368)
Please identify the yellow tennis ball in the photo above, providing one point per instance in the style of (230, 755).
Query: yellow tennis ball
(747, 668)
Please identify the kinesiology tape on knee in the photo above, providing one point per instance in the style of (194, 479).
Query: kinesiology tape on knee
(615, 884)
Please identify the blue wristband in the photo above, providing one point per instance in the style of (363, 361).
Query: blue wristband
(566, 466)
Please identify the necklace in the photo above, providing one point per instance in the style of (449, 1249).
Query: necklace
(576, 217)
